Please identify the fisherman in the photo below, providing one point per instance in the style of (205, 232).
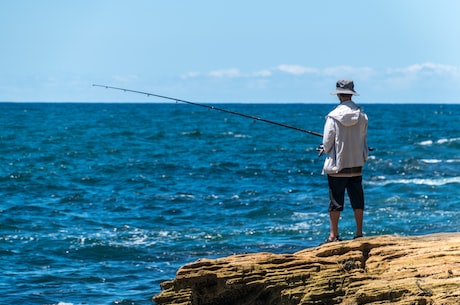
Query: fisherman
(345, 145)
(344, 142)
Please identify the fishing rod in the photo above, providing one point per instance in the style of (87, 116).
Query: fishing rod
(319, 148)
(214, 108)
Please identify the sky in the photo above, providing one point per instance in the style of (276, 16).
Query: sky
(396, 51)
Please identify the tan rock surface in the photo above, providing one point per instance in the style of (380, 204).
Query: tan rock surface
(373, 270)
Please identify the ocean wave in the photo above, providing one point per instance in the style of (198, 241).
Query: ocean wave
(436, 161)
(235, 135)
(431, 161)
(418, 181)
(440, 141)
(426, 143)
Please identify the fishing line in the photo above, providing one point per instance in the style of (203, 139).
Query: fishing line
(214, 108)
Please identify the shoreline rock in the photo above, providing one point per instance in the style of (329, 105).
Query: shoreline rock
(372, 270)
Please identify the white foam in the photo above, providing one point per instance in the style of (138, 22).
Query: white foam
(418, 181)
(431, 161)
(242, 136)
(426, 143)
(435, 161)
(440, 141)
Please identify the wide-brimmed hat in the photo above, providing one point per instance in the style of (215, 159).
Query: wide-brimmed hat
(345, 86)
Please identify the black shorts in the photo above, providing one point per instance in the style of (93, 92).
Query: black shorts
(337, 186)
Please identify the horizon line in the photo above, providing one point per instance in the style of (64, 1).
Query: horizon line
(235, 102)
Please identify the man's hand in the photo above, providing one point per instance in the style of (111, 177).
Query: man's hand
(320, 150)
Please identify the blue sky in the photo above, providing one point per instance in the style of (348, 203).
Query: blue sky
(230, 51)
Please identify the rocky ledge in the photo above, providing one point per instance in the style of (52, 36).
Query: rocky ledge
(372, 270)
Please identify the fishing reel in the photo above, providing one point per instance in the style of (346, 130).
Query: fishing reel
(320, 150)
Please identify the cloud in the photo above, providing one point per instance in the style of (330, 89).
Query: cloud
(349, 71)
(423, 75)
(233, 73)
(419, 82)
(263, 73)
(190, 75)
(225, 73)
(229, 73)
(427, 68)
(361, 73)
(296, 69)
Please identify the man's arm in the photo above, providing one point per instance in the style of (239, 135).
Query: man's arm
(329, 135)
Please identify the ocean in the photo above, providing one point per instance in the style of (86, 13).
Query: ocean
(101, 202)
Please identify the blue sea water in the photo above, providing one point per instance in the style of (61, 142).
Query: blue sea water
(101, 202)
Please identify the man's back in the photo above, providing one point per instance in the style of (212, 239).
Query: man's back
(345, 138)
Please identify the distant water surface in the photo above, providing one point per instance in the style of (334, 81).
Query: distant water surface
(102, 202)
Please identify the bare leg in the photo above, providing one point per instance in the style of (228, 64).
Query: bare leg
(334, 217)
(359, 215)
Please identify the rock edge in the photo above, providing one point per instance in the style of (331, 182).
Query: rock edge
(373, 270)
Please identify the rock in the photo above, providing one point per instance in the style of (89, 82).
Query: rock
(372, 270)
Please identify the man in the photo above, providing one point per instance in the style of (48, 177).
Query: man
(345, 144)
